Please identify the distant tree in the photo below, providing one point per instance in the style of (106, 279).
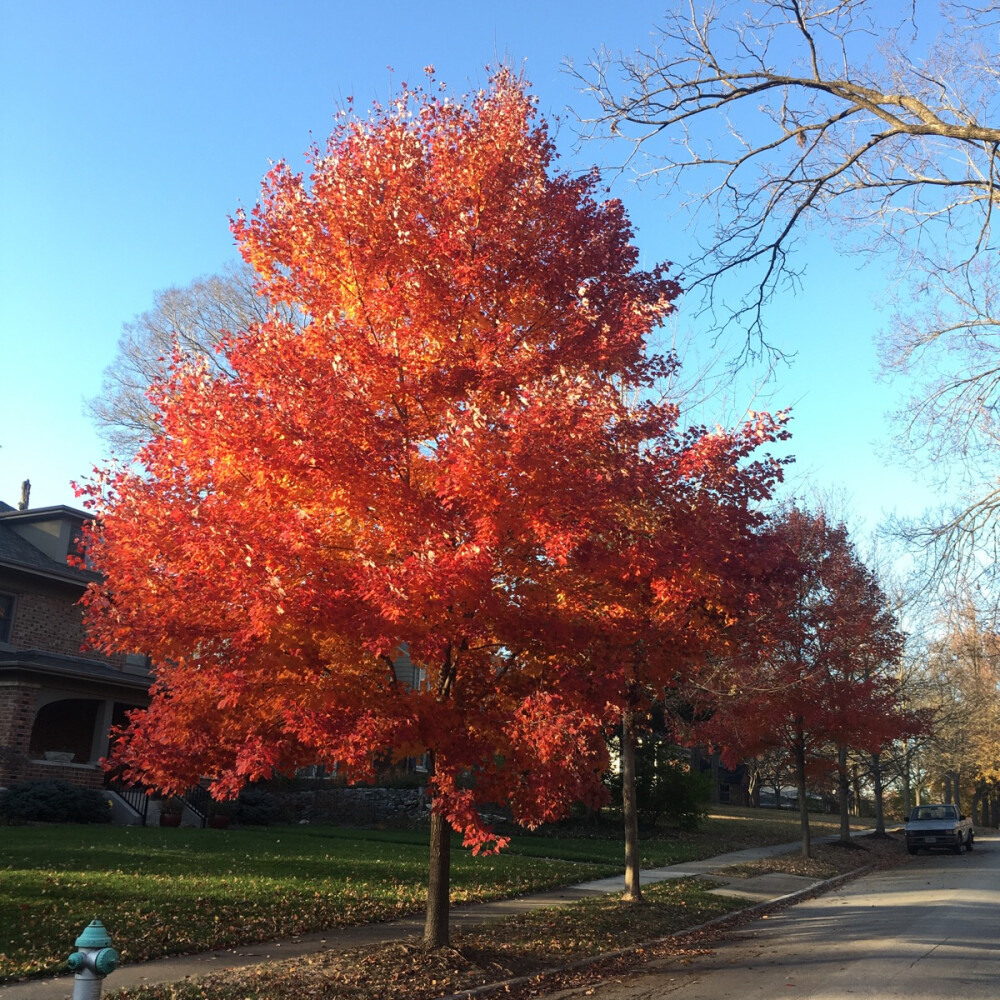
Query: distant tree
(427, 457)
(660, 586)
(816, 678)
(769, 769)
(879, 121)
(961, 681)
(193, 319)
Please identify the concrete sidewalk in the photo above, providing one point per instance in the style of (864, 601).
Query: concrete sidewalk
(170, 970)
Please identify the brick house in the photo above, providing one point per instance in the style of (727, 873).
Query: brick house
(57, 701)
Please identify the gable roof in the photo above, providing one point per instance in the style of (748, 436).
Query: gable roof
(16, 552)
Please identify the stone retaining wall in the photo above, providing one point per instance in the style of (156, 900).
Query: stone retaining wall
(354, 806)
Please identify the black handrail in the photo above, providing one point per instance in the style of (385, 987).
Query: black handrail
(133, 795)
(197, 799)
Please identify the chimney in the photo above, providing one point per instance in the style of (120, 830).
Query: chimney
(25, 493)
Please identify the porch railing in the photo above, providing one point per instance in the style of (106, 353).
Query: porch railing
(133, 795)
(197, 799)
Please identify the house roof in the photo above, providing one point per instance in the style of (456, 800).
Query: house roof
(74, 671)
(16, 552)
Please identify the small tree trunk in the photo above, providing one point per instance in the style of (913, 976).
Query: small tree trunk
(843, 788)
(799, 754)
(438, 884)
(879, 795)
(633, 891)
(907, 803)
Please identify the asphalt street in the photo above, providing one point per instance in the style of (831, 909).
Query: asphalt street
(926, 931)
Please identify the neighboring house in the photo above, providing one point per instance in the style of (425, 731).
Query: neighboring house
(57, 701)
(729, 786)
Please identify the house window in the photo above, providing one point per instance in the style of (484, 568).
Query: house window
(140, 662)
(6, 616)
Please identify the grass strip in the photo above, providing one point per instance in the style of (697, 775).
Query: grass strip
(504, 949)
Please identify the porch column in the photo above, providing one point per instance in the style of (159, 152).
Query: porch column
(18, 704)
(102, 726)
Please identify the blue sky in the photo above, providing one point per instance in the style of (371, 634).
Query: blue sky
(131, 131)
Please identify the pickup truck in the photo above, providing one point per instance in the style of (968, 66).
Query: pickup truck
(938, 826)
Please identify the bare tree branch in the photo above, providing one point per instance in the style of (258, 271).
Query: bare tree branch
(881, 124)
(195, 318)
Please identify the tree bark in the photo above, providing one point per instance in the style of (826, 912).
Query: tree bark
(975, 808)
(856, 788)
(630, 812)
(753, 787)
(843, 788)
(907, 803)
(799, 754)
(438, 884)
(879, 795)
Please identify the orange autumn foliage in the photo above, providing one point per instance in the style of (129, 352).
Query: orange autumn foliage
(430, 457)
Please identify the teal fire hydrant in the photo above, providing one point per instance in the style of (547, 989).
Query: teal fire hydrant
(95, 959)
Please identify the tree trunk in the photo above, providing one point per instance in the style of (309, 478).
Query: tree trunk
(879, 795)
(438, 884)
(630, 811)
(714, 763)
(907, 804)
(843, 788)
(799, 754)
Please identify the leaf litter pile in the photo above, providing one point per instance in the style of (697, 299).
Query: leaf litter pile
(525, 948)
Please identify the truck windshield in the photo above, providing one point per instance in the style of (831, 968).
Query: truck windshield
(933, 812)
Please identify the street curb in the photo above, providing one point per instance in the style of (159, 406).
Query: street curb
(734, 917)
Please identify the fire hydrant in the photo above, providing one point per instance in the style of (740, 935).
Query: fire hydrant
(95, 959)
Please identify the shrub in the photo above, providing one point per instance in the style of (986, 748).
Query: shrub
(678, 794)
(54, 802)
(665, 786)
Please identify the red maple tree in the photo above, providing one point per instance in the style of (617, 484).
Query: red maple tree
(663, 584)
(812, 669)
(420, 460)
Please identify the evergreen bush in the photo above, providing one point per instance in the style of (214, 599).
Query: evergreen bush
(51, 801)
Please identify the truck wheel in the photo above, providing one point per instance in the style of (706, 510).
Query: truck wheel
(959, 844)
(968, 843)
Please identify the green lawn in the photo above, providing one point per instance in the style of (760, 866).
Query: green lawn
(163, 891)
(174, 891)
